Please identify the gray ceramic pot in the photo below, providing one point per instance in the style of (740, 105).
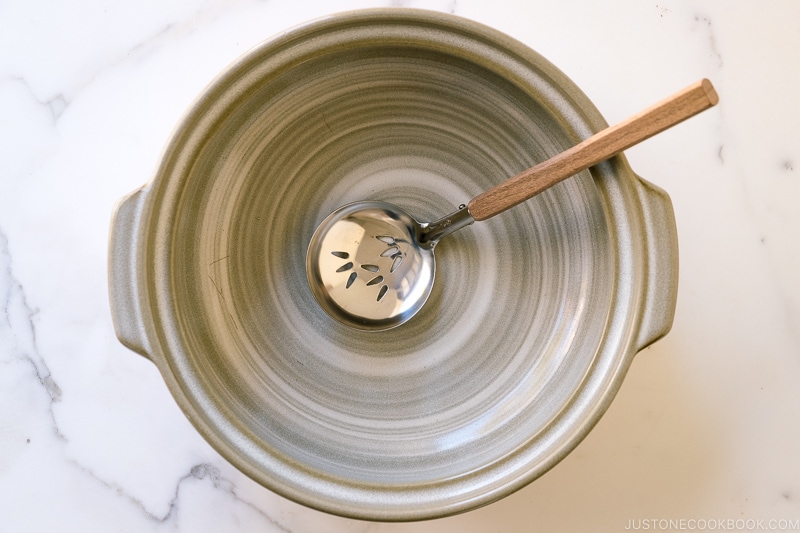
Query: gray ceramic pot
(534, 317)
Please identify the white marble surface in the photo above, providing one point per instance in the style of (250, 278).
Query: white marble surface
(707, 424)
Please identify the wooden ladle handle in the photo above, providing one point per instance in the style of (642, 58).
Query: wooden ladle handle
(599, 147)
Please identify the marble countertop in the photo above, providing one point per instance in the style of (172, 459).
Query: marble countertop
(706, 426)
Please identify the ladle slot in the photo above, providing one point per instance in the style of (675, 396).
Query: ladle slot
(398, 258)
(382, 292)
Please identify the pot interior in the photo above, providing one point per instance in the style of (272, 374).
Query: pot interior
(486, 369)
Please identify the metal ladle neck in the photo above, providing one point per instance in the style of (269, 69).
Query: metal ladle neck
(434, 231)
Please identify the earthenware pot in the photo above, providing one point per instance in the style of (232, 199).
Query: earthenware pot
(535, 315)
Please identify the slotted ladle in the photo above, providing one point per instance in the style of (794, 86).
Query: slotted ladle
(370, 265)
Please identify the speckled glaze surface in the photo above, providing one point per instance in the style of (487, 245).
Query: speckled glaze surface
(534, 316)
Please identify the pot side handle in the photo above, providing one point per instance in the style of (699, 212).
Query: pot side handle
(123, 273)
(661, 289)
